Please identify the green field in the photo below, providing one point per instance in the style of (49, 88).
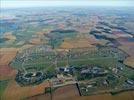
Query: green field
(40, 59)
(3, 85)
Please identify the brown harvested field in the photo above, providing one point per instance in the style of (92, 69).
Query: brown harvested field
(16, 92)
(128, 47)
(6, 56)
(65, 92)
(40, 97)
(129, 61)
(6, 72)
(122, 96)
(79, 42)
(74, 43)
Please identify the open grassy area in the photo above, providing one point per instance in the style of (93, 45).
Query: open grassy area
(57, 36)
(75, 57)
(3, 85)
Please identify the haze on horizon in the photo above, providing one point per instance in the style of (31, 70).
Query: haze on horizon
(58, 3)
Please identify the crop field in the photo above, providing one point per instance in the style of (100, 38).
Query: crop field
(6, 56)
(19, 92)
(65, 93)
(81, 41)
(60, 93)
(128, 47)
(121, 96)
(3, 84)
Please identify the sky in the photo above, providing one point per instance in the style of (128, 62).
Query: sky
(50, 3)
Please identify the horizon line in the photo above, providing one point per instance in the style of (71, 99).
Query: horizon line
(60, 3)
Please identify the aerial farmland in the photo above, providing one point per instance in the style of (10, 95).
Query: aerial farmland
(68, 53)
